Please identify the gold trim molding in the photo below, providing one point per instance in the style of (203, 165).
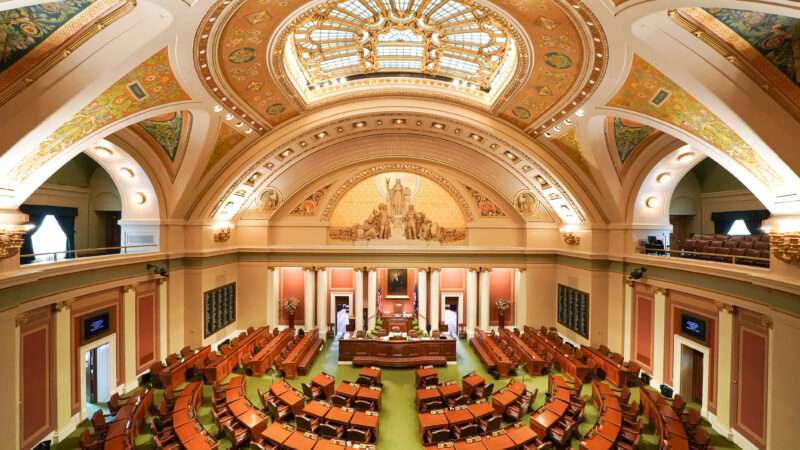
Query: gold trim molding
(11, 238)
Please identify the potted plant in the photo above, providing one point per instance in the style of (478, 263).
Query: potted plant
(502, 306)
(290, 306)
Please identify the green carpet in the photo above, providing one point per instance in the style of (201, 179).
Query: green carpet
(399, 429)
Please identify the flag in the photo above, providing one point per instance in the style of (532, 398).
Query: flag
(379, 299)
(416, 298)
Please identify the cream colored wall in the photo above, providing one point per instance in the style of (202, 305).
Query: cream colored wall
(196, 282)
(252, 295)
(712, 202)
(783, 388)
(615, 318)
(541, 307)
(176, 334)
(596, 284)
(9, 390)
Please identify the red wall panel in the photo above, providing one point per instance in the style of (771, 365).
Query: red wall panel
(642, 342)
(292, 285)
(453, 279)
(501, 285)
(147, 344)
(341, 279)
(36, 377)
(751, 369)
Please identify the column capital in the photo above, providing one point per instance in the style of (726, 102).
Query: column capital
(435, 269)
(359, 269)
(766, 322)
(662, 291)
(66, 304)
(730, 309)
(371, 269)
(128, 288)
(522, 269)
(21, 320)
(162, 280)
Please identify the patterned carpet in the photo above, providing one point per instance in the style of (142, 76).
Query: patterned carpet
(399, 429)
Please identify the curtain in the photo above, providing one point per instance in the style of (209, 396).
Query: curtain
(753, 219)
(36, 214)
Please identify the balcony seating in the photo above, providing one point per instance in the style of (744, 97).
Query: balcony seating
(705, 247)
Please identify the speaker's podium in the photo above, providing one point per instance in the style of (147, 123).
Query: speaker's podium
(399, 319)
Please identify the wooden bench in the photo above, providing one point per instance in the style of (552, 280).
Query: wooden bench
(491, 354)
(302, 355)
(533, 362)
(400, 362)
(260, 363)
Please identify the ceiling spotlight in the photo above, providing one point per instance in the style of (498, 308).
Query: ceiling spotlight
(651, 202)
(217, 108)
(321, 135)
(128, 172)
(663, 177)
(361, 124)
(303, 144)
(399, 121)
(579, 113)
(438, 126)
(140, 198)
(286, 152)
(557, 128)
(548, 134)
(568, 122)
(686, 157)
(511, 156)
(239, 124)
(104, 152)
(248, 131)
(229, 116)
(475, 137)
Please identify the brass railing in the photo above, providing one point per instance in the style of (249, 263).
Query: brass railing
(83, 252)
(706, 256)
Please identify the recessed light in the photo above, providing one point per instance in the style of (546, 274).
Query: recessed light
(399, 121)
(217, 108)
(286, 152)
(303, 143)
(140, 198)
(229, 116)
(104, 152)
(379, 122)
(321, 135)
(579, 113)
(128, 172)
(493, 146)
(651, 202)
(663, 177)
(475, 137)
(510, 156)
(438, 126)
(269, 165)
(359, 124)
(686, 157)
(248, 131)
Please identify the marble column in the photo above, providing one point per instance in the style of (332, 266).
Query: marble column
(521, 305)
(273, 292)
(309, 293)
(372, 298)
(483, 290)
(659, 323)
(435, 300)
(322, 302)
(358, 310)
(627, 335)
(63, 409)
(129, 327)
(472, 301)
(422, 301)
(163, 322)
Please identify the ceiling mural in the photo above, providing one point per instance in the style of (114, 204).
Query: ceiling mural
(486, 207)
(254, 80)
(765, 46)
(649, 92)
(169, 133)
(148, 85)
(626, 136)
(227, 139)
(568, 143)
(34, 38)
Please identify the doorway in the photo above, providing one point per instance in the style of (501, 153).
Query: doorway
(342, 317)
(690, 369)
(691, 387)
(96, 362)
(450, 317)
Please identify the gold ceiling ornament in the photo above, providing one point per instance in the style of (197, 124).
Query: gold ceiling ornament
(786, 246)
(453, 39)
(11, 238)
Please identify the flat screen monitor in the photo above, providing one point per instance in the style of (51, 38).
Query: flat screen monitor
(96, 325)
(693, 326)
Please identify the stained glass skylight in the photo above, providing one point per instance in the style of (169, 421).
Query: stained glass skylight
(450, 40)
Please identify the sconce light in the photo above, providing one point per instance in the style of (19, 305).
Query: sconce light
(11, 237)
(570, 236)
(222, 231)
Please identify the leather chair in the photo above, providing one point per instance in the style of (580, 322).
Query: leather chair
(430, 381)
(561, 433)
(363, 405)
(364, 382)
(513, 413)
(89, 442)
(457, 401)
(340, 400)
(279, 412)
(238, 435)
(305, 423)
(437, 436)
(172, 359)
(265, 396)
(466, 431)
(678, 404)
(359, 435)
(312, 392)
(99, 423)
(222, 418)
(186, 351)
(700, 439)
(329, 430)
(432, 405)
(491, 424)
(157, 428)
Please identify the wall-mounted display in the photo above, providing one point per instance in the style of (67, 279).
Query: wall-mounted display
(573, 309)
(95, 326)
(219, 306)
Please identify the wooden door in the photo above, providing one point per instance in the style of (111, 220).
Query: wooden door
(91, 376)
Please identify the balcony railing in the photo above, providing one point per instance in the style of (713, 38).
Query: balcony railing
(51, 257)
(706, 256)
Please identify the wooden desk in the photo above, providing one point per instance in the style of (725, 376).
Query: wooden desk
(608, 431)
(541, 422)
(260, 363)
(297, 361)
(371, 394)
(501, 400)
(366, 421)
(325, 383)
(499, 442)
(427, 394)
(464, 445)
(458, 416)
(254, 420)
(472, 382)
(175, 375)
(327, 444)
(403, 323)
(279, 387)
(339, 415)
(423, 373)
(373, 373)
(299, 441)
(316, 409)
(533, 362)
(492, 356)
(596, 442)
(277, 433)
(618, 374)
(450, 390)
(521, 434)
(480, 410)
(398, 353)
(294, 400)
(224, 365)
(348, 390)
(428, 421)
(557, 406)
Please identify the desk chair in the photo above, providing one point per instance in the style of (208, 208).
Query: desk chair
(466, 431)
(363, 405)
(430, 381)
(238, 435)
(700, 440)
(305, 423)
(329, 430)
(458, 401)
(312, 392)
(340, 400)
(691, 419)
(222, 418)
(266, 396)
(90, 442)
(279, 412)
(491, 424)
(561, 433)
(99, 423)
(157, 428)
(484, 391)
(432, 405)
(678, 403)
(359, 435)
(364, 381)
